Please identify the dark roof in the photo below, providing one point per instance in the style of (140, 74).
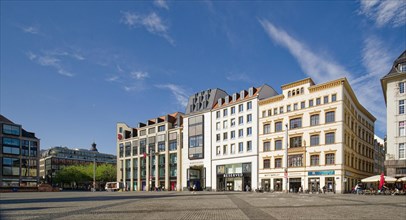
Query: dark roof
(394, 70)
(5, 120)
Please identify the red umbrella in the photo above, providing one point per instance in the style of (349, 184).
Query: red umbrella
(381, 181)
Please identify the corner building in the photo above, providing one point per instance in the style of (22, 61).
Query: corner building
(149, 156)
(330, 138)
(234, 141)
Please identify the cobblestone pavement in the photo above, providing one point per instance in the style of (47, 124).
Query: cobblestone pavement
(202, 205)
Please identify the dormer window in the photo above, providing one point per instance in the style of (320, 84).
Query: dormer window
(402, 67)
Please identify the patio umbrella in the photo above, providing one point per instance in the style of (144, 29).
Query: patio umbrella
(377, 178)
(403, 179)
(381, 181)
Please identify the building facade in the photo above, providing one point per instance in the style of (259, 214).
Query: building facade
(312, 136)
(379, 155)
(19, 156)
(149, 155)
(56, 158)
(393, 86)
(234, 140)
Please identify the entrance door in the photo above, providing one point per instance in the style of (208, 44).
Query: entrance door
(230, 185)
(294, 184)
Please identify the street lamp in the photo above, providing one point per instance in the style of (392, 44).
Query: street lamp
(151, 152)
(286, 159)
(94, 150)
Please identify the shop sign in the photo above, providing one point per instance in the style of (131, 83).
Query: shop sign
(228, 175)
(321, 173)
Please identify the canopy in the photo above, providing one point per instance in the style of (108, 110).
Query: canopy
(403, 179)
(377, 178)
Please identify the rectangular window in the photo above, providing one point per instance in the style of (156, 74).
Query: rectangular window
(218, 137)
(196, 131)
(232, 110)
(232, 134)
(225, 136)
(311, 103)
(263, 114)
(275, 111)
(151, 130)
(161, 146)
(318, 101)
(402, 151)
(288, 108)
(249, 105)
(240, 108)
(232, 148)
(330, 117)
(218, 114)
(330, 159)
(232, 122)
(333, 98)
(240, 120)
(402, 125)
(295, 123)
(161, 128)
(402, 87)
(11, 141)
(330, 138)
(224, 124)
(278, 145)
(249, 131)
(314, 140)
(314, 160)
(11, 129)
(295, 160)
(295, 142)
(249, 118)
(314, 120)
(295, 106)
(240, 147)
(267, 163)
(240, 133)
(269, 112)
(302, 105)
(224, 149)
(218, 126)
(173, 145)
(278, 162)
(225, 112)
(401, 107)
(218, 152)
(249, 146)
(325, 99)
(280, 110)
(267, 146)
(267, 128)
(143, 132)
(278, 126)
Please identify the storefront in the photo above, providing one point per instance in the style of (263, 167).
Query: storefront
(196, 177)
(295, 184)
(314, 184)
(233, 177)
(318, 179)
(266, 184)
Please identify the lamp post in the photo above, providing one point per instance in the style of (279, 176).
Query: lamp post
(94, 150)
(151, 152)
(286, 159)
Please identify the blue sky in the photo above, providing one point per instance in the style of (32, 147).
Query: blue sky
(71, 70)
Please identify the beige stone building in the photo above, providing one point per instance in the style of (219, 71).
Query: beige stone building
(330, 138)
(393, 86)
(149, 156)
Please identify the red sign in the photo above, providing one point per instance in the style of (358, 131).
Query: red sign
(119, 136)
(145, 155)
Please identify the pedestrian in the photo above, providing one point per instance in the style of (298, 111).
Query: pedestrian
(324, 189)
(247, 188)
(194, 188)
(357, 189)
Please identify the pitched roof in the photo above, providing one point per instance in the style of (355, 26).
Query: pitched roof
(394, 71)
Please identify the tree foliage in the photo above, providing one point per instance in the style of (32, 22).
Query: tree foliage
(81, 174)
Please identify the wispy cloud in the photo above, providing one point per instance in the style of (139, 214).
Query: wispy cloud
(391, 12)
(30, 29)
(161, 4)
(319, 68)
(375, 59)
(152, 22)
(50, 61)
(180, 94)
(239, 77)
(139, 75)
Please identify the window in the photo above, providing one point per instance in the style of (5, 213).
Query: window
(240, 120)
(128, 149)
(314, 140)
(295, 123)
(196, 131)
(225, 112)
(318, 101)
(224, 124)
(11, 129)
(295, 142)
(249, 105)
(161, 128)
(11, 166)
(278, 145)
(232, 148)
(143, 132)
(240, 133)
(314, 120)
(401, 106)
(267, 163)
(249, 146)
(217, 137)
(330, 138)
(278, 162)
(151, 131)
(218, 126)
(267, 146)
(224, 149)
(218, 114)
(288, 108)
(280, 110)
(240, 108)
(333, 98)
(11, 141)
(161, 146)
(240, 147)
(275, 111)
(232, 122)
(402, 125)
(330, 117)
(302, 105)
(218, 152)
(232, 110)
(325, 99)
(278, 126)
(232, 134)
(402, 67)
(225, 136)
(267, 128)
(314, 160)
(402, 87)
(249, 118)
(269, 112)
(249, 131)
(311, 103)
(295, 106)
(263, 114)
(295, 160)
(402, 151)
(173, 145)
(329, 159)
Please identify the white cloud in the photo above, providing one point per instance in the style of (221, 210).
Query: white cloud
(180, 94)
(161, 4)
(319, 68)
(51, 61)
(391, 12)
(112, 79)
(152, 22)
(239, 77)
(30, 29)
(139, 75)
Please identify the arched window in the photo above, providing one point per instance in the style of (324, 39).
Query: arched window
(289, 94)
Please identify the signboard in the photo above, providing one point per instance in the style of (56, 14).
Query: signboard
(227, 175)
(321, 173)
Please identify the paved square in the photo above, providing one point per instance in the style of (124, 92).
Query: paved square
(202, 205)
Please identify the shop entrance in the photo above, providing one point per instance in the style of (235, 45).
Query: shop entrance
(330, 184)
(277, 184)
(314, 184)
(230, 185)
(265, 184)
(294, 184)
(196, 177)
